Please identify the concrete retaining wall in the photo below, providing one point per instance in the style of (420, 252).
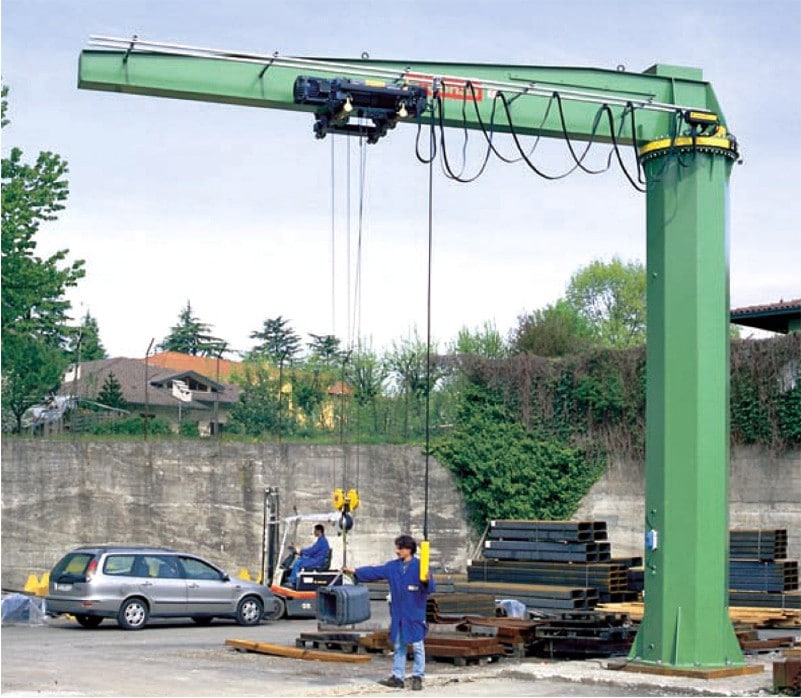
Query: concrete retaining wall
(208, 498)
(764, 492)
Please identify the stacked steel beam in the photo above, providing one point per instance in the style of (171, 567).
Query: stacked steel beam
(550, 541)
(453, 606)
(763, 575)
(759, 573)
(586, 635)
(758, 544)
(550, 565)
(610, 579)
(542, 596)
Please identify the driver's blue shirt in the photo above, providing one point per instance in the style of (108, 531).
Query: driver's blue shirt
(315, 555)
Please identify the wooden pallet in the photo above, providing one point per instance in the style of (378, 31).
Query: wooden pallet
(460, 648)
(343, 642)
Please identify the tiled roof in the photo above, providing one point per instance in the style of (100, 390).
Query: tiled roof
(775, 317)
(132, 375)
(204, 365)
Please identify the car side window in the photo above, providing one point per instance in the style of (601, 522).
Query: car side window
(121, 565)
(197, 569)
(165, 566)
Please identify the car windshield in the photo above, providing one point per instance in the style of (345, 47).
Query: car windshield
(72, 567)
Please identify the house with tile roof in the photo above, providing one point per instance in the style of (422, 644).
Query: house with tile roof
(783, 317)
(177, 394)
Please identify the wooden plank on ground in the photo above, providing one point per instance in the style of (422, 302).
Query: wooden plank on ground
(761, 617)
(296, 653)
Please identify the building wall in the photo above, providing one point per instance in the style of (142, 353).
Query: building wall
(208, 497)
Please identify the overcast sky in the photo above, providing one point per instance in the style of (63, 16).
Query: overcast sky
(231, 207)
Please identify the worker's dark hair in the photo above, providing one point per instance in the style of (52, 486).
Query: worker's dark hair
(319, 527)
(407, 542)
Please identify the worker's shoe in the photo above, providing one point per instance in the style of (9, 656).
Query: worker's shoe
(392, 682)
(417, 683)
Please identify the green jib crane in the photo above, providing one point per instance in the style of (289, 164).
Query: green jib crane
(671, 116)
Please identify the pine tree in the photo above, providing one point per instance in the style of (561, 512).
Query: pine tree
(190, 336)
(110, 393)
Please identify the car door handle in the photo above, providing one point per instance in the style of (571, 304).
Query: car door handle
(193, 585)
(147, 584)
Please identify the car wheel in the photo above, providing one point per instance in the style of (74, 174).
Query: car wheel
(249, 611)
(279, 608)
(203, 620)
(89, 621)
(133, 614)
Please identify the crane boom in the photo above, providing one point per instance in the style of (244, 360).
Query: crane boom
(183, 72)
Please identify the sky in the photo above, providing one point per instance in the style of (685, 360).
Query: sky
(244, 214)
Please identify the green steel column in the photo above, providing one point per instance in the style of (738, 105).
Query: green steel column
(686, 621)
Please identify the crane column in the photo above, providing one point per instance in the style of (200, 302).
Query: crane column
(686, 621)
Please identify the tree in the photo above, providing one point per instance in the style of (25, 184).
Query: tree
(367, 374)
(408, 364)
(280, 344)
(34, 308)
(325, 349)
(110, 393)
(84, 342)
(611, 298)
(258, 410)
(190, 336)
(33, 288)
(32, 369)
(555, 330)
(485, 341)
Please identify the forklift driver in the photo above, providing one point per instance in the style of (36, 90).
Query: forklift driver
(313, 557)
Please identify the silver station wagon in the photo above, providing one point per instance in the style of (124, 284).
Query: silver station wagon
(133, 584)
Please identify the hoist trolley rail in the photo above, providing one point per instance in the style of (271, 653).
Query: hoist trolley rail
(649, 93)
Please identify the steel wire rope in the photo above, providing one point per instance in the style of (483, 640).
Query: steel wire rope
(357, 290)
(428, 337)
(333, 279)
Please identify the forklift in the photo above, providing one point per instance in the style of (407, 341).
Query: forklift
(277, 559)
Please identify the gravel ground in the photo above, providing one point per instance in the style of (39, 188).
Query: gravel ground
(60, 658)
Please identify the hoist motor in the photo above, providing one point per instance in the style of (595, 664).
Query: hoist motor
(339, 99)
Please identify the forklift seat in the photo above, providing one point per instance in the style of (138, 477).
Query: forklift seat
(325, 566)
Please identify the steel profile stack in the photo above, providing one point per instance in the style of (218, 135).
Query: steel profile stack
(586, 635)
(550, 565)
(610, 579)
(442, 608)
(759, 573)
(548, 541)
(542, 596)
(758, 544)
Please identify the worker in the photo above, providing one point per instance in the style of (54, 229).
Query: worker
(312, 558)
(407, 608)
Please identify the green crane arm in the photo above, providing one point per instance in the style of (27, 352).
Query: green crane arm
(267, 81)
